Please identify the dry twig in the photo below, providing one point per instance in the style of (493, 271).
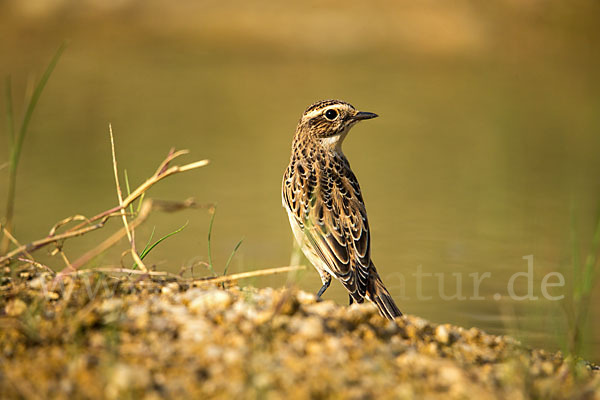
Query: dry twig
(12, 239)
(37, 244)
(36, 264)
(145, 209)
(250, 274)
(130, 232)
(122, 270)
(206, 280)
(100, 219)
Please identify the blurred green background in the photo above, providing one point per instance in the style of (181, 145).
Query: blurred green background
(486, 149)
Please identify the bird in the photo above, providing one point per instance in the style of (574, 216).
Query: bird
(325, 205)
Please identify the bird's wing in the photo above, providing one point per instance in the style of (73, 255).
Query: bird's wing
(327, 205)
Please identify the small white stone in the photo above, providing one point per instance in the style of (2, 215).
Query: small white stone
(136, 311)
(195, 330)
(190, 295)
(209, 300)
(322, 309)
(125, 377)
(449, 375)
(15, 308)
(179, 313)
(419, 323)
(52, 296)
(231, 356)
(110, 305)
(311, 327)
(39, 283)
(441, 334)
(305, 297)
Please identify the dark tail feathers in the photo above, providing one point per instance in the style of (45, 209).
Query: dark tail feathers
(379, 295)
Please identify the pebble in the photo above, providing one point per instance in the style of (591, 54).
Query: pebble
(15, 308)
(310, 327)
(110, 305)
(125, 377)
(209, 300)
(441, 334)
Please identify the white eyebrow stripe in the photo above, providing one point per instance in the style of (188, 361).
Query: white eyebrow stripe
(321, 110)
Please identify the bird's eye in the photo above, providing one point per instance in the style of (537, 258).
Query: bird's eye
(331, 114)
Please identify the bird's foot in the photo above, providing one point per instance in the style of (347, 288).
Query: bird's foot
(323, 289)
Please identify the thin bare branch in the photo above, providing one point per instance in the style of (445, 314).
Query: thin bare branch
(37, 244)
(85, 226)
(170, 157)
(121, 270)
(155, 178)
(147, 206)
(129, 231)
(36, 264)
(66, 221)
(250, 274)
(161, 168)
(207, 280)
(65, 259)
(13, 240)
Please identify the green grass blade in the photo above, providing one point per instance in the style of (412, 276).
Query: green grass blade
(235, 249)
(4, 242)
(153, 245)
(10, 113)
(17, 142)
(146, 246)
(591, 260)
(36, 96)
(575, 258)
(149, 240)
(140, 201)
(210, 226)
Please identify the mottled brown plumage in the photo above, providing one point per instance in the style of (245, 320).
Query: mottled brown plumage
(325, 206)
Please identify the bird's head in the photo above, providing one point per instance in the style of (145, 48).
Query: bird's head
(329, 121)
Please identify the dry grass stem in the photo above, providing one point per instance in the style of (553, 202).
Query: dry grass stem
(157, 177)
(13, 240)
(122, 270)
(37, 244)
(36, 264)
(138, 260)
(171, 156)
(66, 221)
(129, 231)
(96, 222)
(116, 172)
(146, 208)
(65, 259)
(206, 280)
(250, 274)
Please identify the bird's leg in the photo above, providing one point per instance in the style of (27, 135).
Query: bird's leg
(326, 282)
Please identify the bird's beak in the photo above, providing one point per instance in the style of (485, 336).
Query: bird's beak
(364, 115)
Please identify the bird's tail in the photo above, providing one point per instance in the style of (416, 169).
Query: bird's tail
(378, 294)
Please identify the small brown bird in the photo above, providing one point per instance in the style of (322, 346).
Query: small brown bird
(325, 206)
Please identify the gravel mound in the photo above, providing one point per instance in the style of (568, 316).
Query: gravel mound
(105, 337)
